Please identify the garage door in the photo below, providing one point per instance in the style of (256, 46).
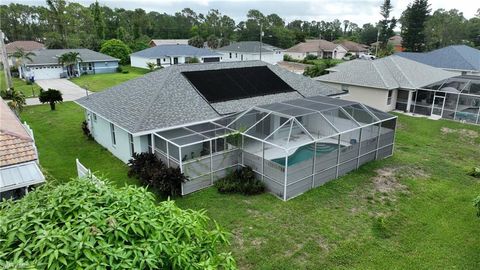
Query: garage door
(211, 59)
(47, 72)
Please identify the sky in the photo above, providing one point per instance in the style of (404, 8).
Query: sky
(358, 11)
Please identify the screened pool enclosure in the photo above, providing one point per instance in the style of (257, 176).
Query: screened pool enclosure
(292, 146)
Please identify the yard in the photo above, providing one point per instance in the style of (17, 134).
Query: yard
(413, 210)
(20, 85)
(100, 82)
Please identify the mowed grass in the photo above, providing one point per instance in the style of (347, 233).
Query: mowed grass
(419, 216)
(18, 84)
(100, 82)
(60, 140)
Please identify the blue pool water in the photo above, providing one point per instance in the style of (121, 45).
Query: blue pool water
(306, 152)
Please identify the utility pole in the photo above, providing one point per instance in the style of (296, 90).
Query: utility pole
(6, 66)
(378, 43)
(261, 42)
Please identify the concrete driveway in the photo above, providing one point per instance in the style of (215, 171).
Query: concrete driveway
(69, 90)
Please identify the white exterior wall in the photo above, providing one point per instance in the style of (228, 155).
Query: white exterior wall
(271, 58)
(376, 98)
(141, 62)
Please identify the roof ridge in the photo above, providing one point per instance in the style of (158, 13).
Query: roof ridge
(455, 48)
(147, 108)
(378, 71)
(401, 71)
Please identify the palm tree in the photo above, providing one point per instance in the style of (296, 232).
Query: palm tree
(21, 56)
(16, 101)
(69, 60)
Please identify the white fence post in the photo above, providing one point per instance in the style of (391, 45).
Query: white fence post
(82, 171)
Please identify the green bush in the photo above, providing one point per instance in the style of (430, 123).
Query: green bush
(89, 225)
(241, 181)
(155, 174)
(116, 48)
(310, 57)
(119, 68)
(475, 172)
(125, 72)
(86, 130)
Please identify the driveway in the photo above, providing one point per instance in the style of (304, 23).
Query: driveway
(69, 90)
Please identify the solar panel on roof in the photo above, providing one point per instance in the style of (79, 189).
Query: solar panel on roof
(236, 83)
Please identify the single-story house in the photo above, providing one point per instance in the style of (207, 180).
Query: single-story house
(172, 54)
(395, 41)
(377, 83)
(19, 167)
(26, 45)
(461, 59)
(191, 117)
(45, 64)
(318, 47)
(353, 47)
(251, 50)
(156, 42)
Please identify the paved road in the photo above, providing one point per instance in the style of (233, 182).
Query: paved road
(69, 90)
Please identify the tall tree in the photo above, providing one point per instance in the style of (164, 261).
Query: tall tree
(386, 24)
(445, 28)
(58, 16)
(413, 25)
(98, 21)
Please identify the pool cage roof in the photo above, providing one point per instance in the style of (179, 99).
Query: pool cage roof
(460, 84)
(333, 116)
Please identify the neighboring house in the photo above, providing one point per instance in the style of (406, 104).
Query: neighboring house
(250, 50)
(26, 45)
(294, 67)
(156, 42)
(45, 64)
(211, 118)
(353, 47)
(19, 167)
(318, 47)
(461, 59)
(395, 41)
(172, 54)
(377, 83)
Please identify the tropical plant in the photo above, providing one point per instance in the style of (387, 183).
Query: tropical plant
(16, 99)
(86, 130)
(319, 69)
(116, 48)
(21, 56)
(224, 42)
(81, 224)
(212, 42)
(192, 60)
(51, 96)
(196, 41)
(155, 174)
(70, 60)
(152, 66)
(241, 181)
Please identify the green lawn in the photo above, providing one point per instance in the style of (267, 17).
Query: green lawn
(418, 214)
(20, 85)
(100, 82)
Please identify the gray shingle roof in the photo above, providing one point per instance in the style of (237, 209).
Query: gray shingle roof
(386, 73)
(174, 50)
(165, 98)
(458, 57)
(50, 56)
(248, 47)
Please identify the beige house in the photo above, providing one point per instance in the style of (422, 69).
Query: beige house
(377, 83)
(353, 47)
(318, 47)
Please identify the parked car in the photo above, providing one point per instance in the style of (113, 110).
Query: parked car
(367, 56)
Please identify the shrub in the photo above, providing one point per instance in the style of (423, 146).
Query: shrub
(155, 174)
(86, 130)
(151, 66)
(116, 48)
(196, 41)
(192, 60)
(241, 181)
(119, 68)
(125, 72)
(475, 172)
(310, 57)
(287, 57)
(82, 224)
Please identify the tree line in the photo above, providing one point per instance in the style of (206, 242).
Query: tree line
(62, 24)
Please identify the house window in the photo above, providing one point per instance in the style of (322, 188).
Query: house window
(345, 88)
(94, 117)
(389, 99)
(159, 63)
(230, 54)
(132, 147)
(164, 60)
(236, 55)
(149, 142)
(112, 130)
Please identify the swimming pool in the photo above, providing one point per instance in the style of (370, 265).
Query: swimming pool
(306, 152)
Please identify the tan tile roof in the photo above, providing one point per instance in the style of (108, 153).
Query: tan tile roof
(27, 45)
(313, 45)
(16, 145)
